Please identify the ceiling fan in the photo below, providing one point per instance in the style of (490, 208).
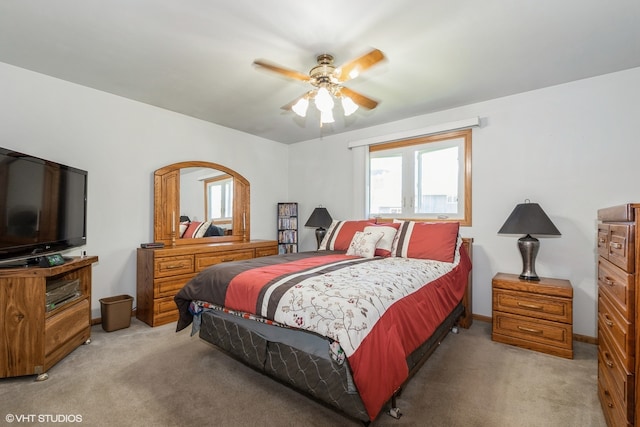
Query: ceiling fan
(327, 81)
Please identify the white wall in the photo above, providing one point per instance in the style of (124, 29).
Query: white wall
(571, 148)
(120, 143)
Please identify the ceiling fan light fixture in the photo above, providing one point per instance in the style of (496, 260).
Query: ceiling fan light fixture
(326, 116)
(327, 80)
(348, 105)
(300, 107)
(324, 101)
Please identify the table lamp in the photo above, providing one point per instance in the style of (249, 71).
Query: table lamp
(529, 218)
(321, 219)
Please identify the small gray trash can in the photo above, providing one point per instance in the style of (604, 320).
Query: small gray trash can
(116, 312)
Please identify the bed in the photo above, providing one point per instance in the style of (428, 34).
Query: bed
(348, 324)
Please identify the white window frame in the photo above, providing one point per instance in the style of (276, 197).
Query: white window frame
(225, 182)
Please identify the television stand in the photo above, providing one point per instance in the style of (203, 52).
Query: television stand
(33, 339)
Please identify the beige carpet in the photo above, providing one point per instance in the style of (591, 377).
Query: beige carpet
(155, 377)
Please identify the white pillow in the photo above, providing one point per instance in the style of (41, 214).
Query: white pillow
(363, 243)
(383, 247)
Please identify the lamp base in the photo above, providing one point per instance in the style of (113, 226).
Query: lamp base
(529, 250)
(320, 233)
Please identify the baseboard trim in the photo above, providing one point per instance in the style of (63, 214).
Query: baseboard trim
(576, 337)
(482, 318)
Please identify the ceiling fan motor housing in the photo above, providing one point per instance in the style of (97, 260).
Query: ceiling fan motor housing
(323, 74)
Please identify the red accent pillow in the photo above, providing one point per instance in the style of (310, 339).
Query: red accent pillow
(196, 229)
(340, 234)
(426, 240)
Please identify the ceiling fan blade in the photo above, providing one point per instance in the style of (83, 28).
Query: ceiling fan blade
(356, 66)
(358, 98)
(284, 71)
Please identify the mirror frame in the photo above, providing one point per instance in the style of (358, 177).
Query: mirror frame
(166, 205)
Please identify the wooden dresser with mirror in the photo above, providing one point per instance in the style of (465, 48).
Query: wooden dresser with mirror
(193, 195)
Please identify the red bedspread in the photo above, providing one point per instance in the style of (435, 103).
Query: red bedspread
(379, 310)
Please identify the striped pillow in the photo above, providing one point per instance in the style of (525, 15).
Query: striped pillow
(196, 229)
(426, 240)
(340, 234)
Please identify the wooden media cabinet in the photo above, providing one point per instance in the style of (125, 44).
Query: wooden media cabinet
(32, 338)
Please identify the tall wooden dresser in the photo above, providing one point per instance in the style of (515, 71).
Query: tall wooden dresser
(618, 278)
(163, 272)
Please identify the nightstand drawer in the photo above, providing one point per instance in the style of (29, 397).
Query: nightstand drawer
(618, 286)
(533, 330)
(527, 304)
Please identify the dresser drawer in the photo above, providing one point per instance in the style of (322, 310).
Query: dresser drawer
(170, 286)
(65, 325)
(266, 251)
(620, 380)
(206, 260)
(616, 328)
(618, 286)
(603, 240)
(172, 266)
(615, 410)
(621, 249)
(527, 304)
(165, 311)
(533, 330)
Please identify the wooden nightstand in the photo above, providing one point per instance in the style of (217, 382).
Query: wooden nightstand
(533, 315)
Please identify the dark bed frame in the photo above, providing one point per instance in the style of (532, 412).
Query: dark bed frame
(332, 385)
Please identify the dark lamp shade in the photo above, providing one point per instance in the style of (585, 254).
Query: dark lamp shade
(319, 218)
(529, 218)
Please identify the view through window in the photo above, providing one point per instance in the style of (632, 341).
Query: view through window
(426, 178)
(219, 198)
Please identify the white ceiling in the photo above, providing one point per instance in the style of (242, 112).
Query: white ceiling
(195, 56)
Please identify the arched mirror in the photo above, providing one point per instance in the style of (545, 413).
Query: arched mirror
(200, 202)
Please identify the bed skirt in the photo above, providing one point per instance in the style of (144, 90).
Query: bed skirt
(301, 359)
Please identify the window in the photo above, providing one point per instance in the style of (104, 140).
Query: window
(219, 199)
(425, 178)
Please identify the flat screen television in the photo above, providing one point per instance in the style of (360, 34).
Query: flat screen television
(43, 208)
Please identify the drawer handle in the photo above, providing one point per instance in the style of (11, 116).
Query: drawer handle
(531, 306)
(533, 331)
(615, 245)
(227, 260)
(609, 404)
(608, 362)
(174, 266)
(601, 240)
(607, 320)
(609, 281)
